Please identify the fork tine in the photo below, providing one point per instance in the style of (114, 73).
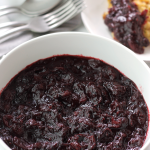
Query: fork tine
(57, 10)
(65, 12)
(51, 17)
(66, 17)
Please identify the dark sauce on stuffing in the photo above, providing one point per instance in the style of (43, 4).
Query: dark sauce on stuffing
(126, 22)
(72, 103)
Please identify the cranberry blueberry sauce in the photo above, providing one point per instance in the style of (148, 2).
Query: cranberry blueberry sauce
(125, 21)
(72, 103)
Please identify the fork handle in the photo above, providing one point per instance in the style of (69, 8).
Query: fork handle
(6, 12)
(7, 7)
(8, 34)
(11, 24)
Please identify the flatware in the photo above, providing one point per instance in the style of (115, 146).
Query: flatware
(45, 23)
(13, 42)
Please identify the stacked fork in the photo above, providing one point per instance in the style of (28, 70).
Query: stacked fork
(47, 22)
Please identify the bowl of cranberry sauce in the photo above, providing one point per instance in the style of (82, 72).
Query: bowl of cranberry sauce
(73, 91)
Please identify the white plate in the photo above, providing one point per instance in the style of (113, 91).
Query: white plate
(93, 20)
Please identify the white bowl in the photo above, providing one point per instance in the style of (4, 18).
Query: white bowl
(77, 44)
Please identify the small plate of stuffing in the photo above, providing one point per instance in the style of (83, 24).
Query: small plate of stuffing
(126, 21)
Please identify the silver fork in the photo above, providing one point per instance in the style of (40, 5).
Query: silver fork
(51, 20)
(8, 45)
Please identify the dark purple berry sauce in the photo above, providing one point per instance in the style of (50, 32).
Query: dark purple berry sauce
(72, 103)
(126, 22)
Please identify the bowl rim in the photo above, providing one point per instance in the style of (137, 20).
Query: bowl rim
(72, 34)
(2, 143)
